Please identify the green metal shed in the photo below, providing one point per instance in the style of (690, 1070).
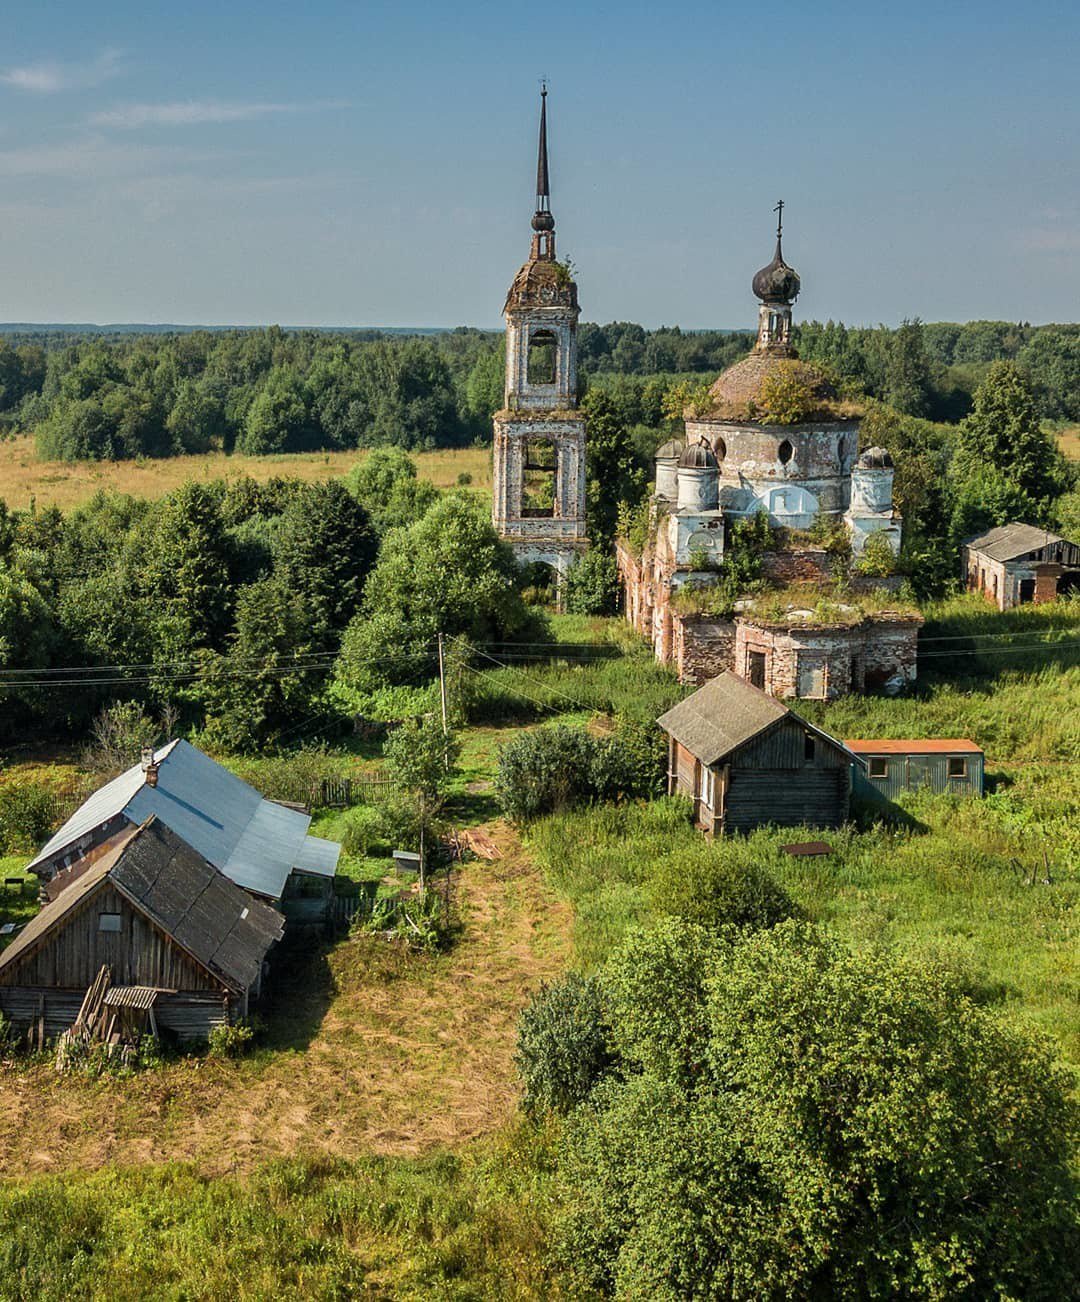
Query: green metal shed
(886, 768)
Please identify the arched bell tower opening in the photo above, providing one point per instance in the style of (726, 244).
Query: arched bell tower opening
(539, 473)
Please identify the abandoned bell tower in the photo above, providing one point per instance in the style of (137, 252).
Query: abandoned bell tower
(539, 478)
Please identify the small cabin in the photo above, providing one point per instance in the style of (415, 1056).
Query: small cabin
(261, 845)
(885, 768)
(746, 760)
(179, 939)
(1018, 563)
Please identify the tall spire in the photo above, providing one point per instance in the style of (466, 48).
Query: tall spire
(543, 185)
(543, 223)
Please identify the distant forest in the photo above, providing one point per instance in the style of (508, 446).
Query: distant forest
(122, 395)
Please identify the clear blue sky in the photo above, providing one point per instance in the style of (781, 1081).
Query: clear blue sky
(360, 164)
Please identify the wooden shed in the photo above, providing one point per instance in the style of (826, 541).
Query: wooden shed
(886, 768)
(747, 761)
(167, 925)
(1017, 563)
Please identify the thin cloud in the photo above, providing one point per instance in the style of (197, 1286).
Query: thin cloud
(48, 77)
(196, 112)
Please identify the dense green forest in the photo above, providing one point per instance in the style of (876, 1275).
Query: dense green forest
(266, 391)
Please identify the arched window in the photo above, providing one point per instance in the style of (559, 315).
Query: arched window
(720, 448)
(542, 353)
(785, 452)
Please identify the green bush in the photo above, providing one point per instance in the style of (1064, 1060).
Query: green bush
(230, 1040)
(720, 886)
(808, 1121)
(558, 767)
(27, 814)
(563, 1044)
(592, 585)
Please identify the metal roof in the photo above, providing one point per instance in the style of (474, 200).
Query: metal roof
(915, 746)
(317, 855)
(253, 841)
(1008, 541)
(205, 913)
(725, 714)
(141, 997)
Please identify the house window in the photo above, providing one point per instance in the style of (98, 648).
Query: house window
(108, 922)
(879, 766)
(957, 766)
(809, 748)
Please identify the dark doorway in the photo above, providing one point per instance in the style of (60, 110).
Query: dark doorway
(1027, 590)
(755, 668)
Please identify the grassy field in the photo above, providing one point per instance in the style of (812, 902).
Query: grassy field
(369, 1146)
(24, 477)
(1069, 442)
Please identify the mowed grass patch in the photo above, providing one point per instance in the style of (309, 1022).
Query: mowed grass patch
(24, 477)
(368, 1049)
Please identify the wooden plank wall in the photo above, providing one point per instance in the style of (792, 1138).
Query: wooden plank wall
(784, 748)
(138, 954)
(809, 797)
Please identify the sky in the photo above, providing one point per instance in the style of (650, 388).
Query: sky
(360, 164)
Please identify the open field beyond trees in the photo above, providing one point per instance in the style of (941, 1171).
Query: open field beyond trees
(25, 478)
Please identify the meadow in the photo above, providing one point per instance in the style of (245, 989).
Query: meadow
(25, 478)
(371, 1145)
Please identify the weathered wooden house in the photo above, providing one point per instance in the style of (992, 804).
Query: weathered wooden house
(1017, 563)
(885, 768)
(259, 844)
(181, 941)
(746, 761)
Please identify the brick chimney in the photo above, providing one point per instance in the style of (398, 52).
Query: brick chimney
(149, 766)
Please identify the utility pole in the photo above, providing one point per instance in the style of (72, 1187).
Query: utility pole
(442, 698)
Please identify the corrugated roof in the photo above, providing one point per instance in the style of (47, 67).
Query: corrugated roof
(317, 855)
(213, 919)
(1008, 541)
(721, 716)
(915, 746)
(253, 841)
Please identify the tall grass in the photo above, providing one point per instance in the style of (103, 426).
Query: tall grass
(448, 1227)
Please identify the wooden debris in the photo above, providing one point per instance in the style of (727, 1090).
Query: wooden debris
(481, 844)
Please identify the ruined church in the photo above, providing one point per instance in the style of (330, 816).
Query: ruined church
(774, 440)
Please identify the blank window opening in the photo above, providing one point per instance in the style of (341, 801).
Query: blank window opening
(542, 354)
(879, 766)
(957, 766)
(538, 488)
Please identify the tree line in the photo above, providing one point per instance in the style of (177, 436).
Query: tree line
(270, 391)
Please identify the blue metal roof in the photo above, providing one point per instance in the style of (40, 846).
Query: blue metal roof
(253, 841)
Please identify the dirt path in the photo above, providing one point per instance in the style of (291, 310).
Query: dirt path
(372, 1052)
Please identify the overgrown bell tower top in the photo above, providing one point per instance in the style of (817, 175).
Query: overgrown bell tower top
(542, 281)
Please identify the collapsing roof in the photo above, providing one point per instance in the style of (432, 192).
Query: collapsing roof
(1008, 541)
(725, 714)
(219, 925)
(254, 842)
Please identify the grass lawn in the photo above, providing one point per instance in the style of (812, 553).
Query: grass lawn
(25, 477)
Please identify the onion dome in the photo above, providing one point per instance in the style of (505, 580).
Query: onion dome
(543, 220)
(875, 459)
(698, 456)
(777, 283)
(672, 450)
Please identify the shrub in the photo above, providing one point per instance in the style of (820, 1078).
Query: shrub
(27, 814)
(592, 585)
(823, 1124)
(877, 559)
(230, 1040)
(563, 1044)
(544, 771)
(720, 887)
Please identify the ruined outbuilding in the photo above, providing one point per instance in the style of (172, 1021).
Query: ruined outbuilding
(1017, 563)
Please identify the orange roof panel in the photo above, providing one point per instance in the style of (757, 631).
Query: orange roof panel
(915, 746)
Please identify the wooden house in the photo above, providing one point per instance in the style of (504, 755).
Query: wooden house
(886, 768)
(1017, 563)
(179, 938)
(747, 760)
(259, 844)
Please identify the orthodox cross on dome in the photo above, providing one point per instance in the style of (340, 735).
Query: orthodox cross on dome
(779, 210)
